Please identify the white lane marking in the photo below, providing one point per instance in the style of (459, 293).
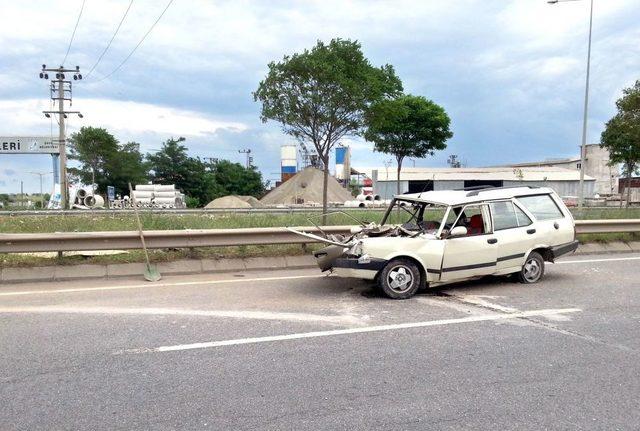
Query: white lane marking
(155, 311)
(478, 301)
(139, 286)
(365, 329)
(597, 260)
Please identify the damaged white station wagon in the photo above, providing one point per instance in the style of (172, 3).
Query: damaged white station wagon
(437, 237)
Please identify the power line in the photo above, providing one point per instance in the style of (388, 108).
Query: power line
(112, 38)
(139, 43)
(74, 32)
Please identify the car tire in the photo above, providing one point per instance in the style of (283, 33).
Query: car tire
(400, 279)
(532, 270)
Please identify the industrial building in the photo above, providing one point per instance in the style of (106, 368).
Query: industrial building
(414, 180)
(596, 166)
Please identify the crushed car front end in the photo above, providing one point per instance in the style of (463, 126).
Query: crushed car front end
(367, 250)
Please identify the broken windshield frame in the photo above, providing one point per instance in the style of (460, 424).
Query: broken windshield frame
(416, 215)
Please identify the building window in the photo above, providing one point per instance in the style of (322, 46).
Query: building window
(578, 165)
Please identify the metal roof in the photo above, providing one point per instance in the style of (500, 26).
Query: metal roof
(459, 197)
(545, 173)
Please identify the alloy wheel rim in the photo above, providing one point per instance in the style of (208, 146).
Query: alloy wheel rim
(532, 270)
(400, 279)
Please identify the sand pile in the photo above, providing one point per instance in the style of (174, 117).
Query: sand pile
(305, 187)
(235, 201)
(254, 202)
(231, 201)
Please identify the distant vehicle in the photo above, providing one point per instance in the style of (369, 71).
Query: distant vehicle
(438, 237)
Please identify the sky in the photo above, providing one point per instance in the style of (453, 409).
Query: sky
(510, 73)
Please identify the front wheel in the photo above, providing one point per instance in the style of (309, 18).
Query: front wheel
(400, 279)
(533, 269)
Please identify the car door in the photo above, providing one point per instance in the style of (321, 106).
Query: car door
(515, 232)
(554, 223)
(471, 255)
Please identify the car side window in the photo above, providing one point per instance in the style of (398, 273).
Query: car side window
(472, 218)
(504, 215)
(523, 219)
(541, 206)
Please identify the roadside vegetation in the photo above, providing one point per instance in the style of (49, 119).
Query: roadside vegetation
(88, 223)
(154, 221)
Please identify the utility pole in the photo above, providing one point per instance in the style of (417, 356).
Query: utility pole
(41, 174)
(249, 158)
(61, 90)
(585, 110)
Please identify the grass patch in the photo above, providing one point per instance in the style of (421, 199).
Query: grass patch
(93, 223)
(608, 237)
(150, 221)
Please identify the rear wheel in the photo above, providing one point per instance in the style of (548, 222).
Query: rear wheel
(400, 279)
(533, 269)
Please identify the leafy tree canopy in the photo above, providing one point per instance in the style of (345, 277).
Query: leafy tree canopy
(407, 126)
(235, 179)
(201, 181)
(103, 161)
(172, 165)
(321, 95)
(622, 133)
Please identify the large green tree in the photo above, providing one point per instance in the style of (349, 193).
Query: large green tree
(407, 126)
(202, 181)
(320, 96)
(622, 134)
(104, 161)
(235, 179)
(172, 165)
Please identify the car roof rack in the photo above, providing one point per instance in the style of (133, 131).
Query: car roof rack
(476, 192)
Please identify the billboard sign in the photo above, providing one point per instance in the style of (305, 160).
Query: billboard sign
(28, 145)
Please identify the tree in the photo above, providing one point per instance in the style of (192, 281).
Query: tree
(407, 126)
(104, 162)
(321, 95)
(235, 179)
(172, 165)
(92, 147)
(127, 167)
(622, 134)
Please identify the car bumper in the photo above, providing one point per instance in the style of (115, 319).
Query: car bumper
(563, 249)
(352, 267)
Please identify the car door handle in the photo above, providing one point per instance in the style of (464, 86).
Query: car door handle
(531, 231)
(556, 225)
(492, 240)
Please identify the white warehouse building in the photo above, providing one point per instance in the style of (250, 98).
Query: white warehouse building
(414, 180)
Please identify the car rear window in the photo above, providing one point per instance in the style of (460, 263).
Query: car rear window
(541, 206)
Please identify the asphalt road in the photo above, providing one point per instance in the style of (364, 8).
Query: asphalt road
(294, 350)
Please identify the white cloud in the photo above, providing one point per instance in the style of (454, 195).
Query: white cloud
(23, 116)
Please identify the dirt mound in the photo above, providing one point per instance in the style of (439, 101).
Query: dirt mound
(231, 201)
(305, 187)
(255, 203)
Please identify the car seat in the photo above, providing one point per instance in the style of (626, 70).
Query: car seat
(476, 225)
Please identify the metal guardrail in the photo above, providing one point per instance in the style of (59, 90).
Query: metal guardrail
(608, 226)
(191, 238)
(129, 240)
